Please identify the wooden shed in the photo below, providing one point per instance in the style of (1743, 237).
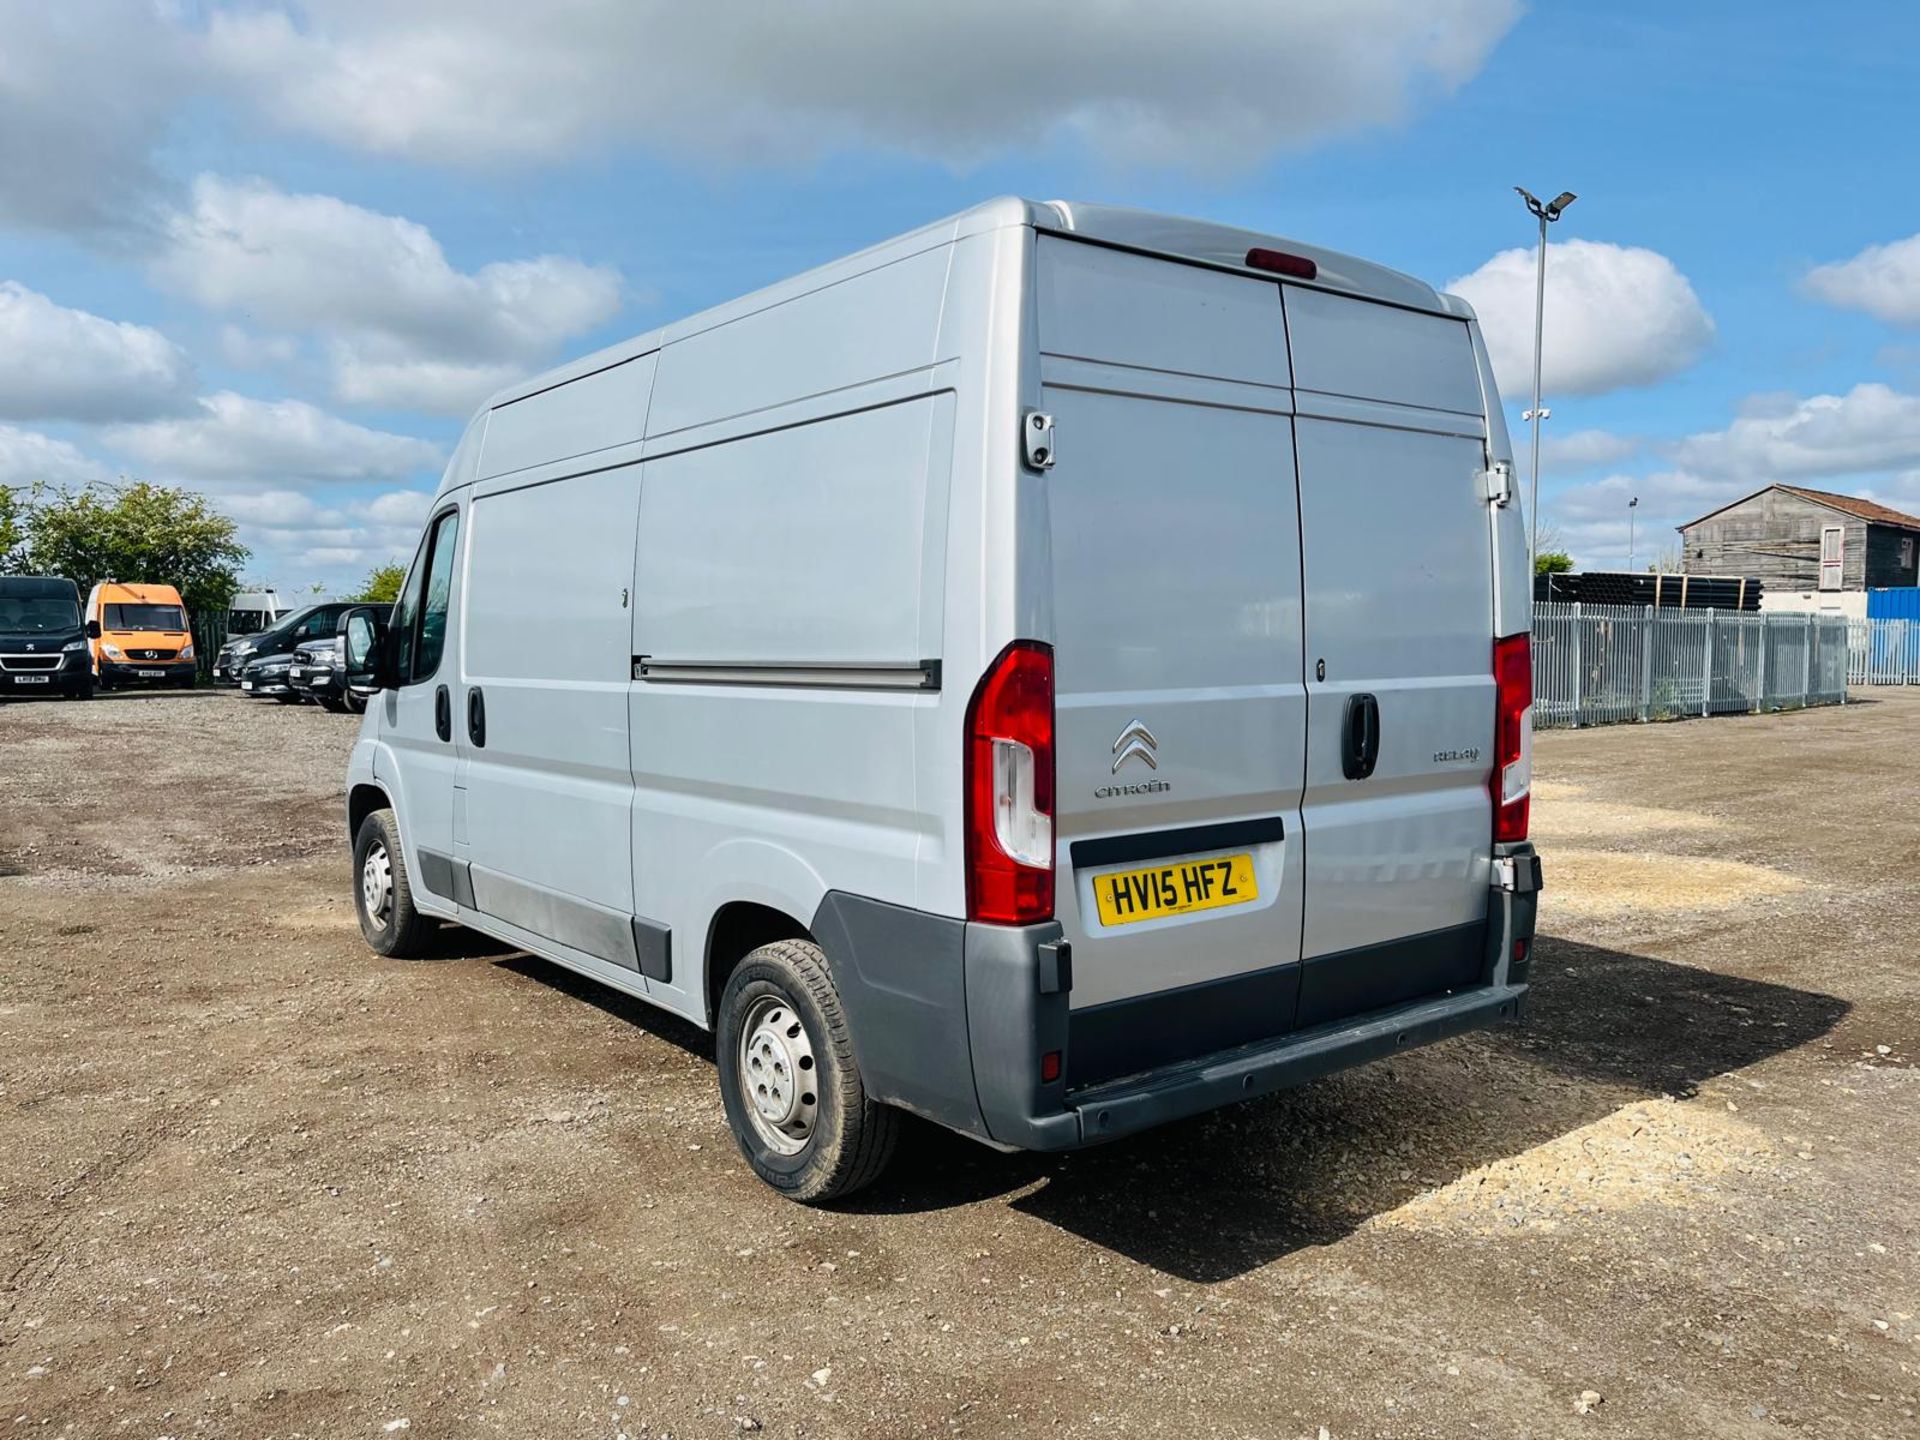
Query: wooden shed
(1798, 539)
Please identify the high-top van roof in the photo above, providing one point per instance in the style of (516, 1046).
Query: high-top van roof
(1196, 241)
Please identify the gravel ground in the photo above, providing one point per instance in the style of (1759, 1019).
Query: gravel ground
(259, 1182)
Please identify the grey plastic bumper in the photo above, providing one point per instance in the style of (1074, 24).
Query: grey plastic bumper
(905, 977)
(1127, 1106)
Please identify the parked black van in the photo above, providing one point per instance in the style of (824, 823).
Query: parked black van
(43, 642)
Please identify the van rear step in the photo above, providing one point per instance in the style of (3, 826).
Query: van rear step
(1106, 1112)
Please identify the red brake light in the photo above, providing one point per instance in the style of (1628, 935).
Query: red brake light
(1010, 789)
(1512, 736)
(1281, 263)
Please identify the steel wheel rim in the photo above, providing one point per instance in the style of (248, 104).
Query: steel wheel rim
(779, 1077)
(376, 883)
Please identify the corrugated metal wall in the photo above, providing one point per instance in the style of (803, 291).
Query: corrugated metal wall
(1901, 604)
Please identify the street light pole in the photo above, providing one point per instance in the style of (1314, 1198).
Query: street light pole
(1632, 505)
(1546, 213)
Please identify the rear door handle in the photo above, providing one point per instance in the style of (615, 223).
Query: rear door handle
(1360, 737)
(442, 713)
(477, 718)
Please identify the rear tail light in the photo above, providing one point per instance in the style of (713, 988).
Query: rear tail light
(1010, 789)
(1512, 736)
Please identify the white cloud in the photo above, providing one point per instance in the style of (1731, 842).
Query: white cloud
(1617, 316)
(297, 540)
(1882, 280)
(1593, 524)
(61, 364)
(1585, 450)
(436, 387)
(1213, 82)
(235, 437)
(85, 94)
(1871, 428)
(407, 329)
(27, 457)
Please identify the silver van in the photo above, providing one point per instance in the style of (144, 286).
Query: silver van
(1055, 672)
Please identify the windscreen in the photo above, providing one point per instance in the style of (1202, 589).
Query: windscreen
(146, 617)
(246, 622)
(38, 615)
(287, 624)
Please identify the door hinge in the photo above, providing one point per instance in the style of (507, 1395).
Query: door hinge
(1498, 480)
(1037, 433)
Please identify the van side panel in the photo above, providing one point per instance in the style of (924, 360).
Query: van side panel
(805, 545)
(859, 330)
(595, 412)
(544, 639)
(762, 766)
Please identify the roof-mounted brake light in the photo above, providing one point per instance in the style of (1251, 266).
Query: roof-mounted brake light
(1281, 263)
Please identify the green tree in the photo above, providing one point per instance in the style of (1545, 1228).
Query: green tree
(13, 529)
(137, 534)
(1552, 562)
(382, 585)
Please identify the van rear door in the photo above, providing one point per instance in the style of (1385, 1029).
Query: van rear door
(1180, 702)
(1399, 608)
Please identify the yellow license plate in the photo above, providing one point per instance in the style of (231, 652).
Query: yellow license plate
(1127, 896)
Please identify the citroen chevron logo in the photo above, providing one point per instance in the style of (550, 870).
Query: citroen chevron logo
(1135, 741)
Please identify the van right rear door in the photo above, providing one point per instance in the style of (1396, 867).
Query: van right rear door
(1180, 704)
(1398, 574)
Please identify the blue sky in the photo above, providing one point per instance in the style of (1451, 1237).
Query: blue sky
(276, 251)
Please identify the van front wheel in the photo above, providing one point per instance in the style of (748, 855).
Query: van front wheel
(792, 1091)
(382, 894)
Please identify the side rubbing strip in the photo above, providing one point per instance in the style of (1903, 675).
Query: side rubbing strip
(654, 945)
(1189, 840)
(825, 675)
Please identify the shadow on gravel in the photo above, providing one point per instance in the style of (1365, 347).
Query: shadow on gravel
(651, 1018)
(1211, 1198)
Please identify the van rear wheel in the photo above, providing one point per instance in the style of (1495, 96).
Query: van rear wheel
(793, 1094)
(382, 893)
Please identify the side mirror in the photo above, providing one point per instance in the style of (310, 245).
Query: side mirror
(365, 653)
(93, 629)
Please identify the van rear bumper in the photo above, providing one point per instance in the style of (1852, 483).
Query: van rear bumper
(1123, 1107)
(906, 978)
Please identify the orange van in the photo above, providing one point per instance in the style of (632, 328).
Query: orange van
(143, 636)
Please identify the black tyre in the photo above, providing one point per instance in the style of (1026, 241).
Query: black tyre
(333, 704)
(382, 893)
(356, 704)
(792, 1091)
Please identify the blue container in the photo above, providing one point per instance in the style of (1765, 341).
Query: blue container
(1902, 603)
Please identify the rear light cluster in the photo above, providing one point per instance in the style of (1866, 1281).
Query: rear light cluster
(1010, 789)
(1512, 736)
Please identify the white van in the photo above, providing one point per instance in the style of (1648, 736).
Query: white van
(1056, 672)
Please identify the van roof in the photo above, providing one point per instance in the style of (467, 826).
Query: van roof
(24, 587)
(1174, 236)
(140, 594)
